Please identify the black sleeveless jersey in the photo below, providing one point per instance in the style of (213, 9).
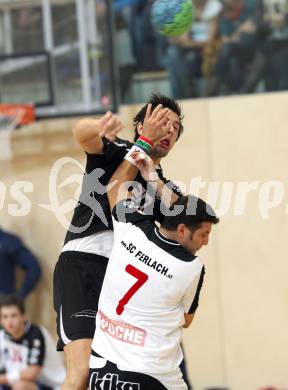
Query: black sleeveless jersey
(92, 213)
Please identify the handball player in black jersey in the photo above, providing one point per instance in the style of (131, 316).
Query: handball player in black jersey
(81, 267)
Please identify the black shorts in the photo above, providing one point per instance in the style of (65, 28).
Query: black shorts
(78, 279)
(110, 377)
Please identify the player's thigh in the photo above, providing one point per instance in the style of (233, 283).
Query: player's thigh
(78, 279)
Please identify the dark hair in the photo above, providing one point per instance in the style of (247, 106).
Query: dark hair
(12, 300)
(155, 100)
(194, 212)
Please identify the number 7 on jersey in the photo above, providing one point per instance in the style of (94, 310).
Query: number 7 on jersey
(141, 279)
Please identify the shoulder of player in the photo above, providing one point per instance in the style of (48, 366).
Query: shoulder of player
(174, 249)
(118, 143)
(126, 212)
(122, 143)
(182, 254)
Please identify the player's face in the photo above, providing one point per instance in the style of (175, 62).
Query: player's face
(163, 146)
(193, 241)
(12, 320)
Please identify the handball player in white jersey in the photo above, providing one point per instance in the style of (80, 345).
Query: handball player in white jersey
(150, 290)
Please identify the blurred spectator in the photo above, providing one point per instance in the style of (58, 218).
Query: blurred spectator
(124, 57)
(277, 47)
(124, 45)
(14, 254)
(145, 39)
(28, 357)
(241, 57)
(185, 54)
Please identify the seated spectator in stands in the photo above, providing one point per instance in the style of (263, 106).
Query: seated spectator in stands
(185, 53)
(277, 47)
(28, 357)
(14, 254)
(240, 30)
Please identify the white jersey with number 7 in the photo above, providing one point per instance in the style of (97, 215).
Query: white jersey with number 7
(149, 284)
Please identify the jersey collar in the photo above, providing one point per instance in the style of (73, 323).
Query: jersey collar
(165, 239)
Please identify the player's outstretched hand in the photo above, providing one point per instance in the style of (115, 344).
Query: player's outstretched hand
(155, 122)
(109, 126)
(146, 166)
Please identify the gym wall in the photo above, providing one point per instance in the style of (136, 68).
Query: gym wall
(239, 335)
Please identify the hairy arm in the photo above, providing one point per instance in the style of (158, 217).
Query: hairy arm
(118, 186)
(168, 197)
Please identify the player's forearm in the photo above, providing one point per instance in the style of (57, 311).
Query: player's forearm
(116, 188)
(168, 197)
(86, 129)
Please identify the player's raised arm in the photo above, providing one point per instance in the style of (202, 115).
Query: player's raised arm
(88, 132)
(154, 125)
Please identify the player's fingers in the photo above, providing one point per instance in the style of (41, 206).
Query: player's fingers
(169, 125)
(116, 129)
(140, 156)
(163, 117)
(109, 126)
(104, 119)
(156, 110)
(148, 112)
(140, 163)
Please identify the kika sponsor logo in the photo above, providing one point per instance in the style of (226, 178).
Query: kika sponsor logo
(122, 331)
(111, 382)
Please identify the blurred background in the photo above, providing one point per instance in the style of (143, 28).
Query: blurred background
(72, 58)
(80, 56)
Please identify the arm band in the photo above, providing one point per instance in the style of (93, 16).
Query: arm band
(144, 145)
(147, 140)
